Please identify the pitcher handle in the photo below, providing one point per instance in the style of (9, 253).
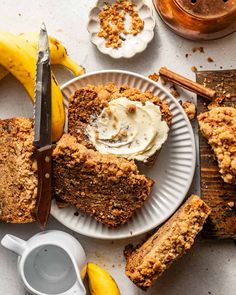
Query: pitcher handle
(14, 244)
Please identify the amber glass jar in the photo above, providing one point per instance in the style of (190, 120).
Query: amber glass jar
(198, 19)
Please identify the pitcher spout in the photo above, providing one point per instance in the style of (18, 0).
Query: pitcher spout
(14, 244)
(78, 288)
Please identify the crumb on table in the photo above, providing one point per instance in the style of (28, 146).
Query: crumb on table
(210, 59)
(194, 69)
(189, 108)
(199, 49)
(216, 102)
(154, 77)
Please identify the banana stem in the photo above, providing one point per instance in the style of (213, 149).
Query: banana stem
(74, 67)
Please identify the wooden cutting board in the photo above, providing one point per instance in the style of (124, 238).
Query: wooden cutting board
(220, 196)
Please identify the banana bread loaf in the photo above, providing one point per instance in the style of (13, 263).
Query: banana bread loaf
(148, 262)
(106, 187)
(18, 170)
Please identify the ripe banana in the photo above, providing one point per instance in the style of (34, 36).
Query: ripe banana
(19, 58)
(100, 281)
(58, 54)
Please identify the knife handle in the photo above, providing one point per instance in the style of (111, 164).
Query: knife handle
(44, 164)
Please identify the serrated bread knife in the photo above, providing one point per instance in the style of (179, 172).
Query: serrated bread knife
(43, 129)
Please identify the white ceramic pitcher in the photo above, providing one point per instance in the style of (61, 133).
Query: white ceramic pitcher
(51, 262)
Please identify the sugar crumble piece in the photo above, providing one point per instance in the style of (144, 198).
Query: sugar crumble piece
(194, 69)
(154, 77)
(198, 49)
(189, 108)
(210, 59)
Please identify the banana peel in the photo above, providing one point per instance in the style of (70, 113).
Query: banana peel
(58, 54)
(19, 58)
(100, 281)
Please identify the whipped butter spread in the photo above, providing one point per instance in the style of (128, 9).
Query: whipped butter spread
(128, 129)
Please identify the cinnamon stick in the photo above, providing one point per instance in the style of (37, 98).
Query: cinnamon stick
(188, 84)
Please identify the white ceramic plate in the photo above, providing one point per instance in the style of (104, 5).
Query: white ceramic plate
(172, 172)
(132, 44)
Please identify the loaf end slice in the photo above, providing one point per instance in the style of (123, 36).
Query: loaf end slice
(18, 170)
(148, 262)
(106, 187)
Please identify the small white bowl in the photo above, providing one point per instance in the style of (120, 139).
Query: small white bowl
(133, 44)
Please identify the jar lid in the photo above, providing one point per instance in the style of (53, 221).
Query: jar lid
(207, 8)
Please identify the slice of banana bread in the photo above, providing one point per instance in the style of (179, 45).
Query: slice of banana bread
(148, 262)
(87, 103)
(106, 187)
(18, 170)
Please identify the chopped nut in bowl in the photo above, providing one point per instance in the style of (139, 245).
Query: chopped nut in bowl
(121, 28)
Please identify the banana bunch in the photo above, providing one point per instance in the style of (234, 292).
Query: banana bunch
(58, 54)
(100, 281)
(18, 56)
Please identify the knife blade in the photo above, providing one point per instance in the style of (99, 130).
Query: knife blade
(43, 128)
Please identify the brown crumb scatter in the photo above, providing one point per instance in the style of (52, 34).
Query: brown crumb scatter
(189, 108)
(198, 49)
(131, 108)
(210, 59)
(216, 102)
(112, 22)
(194, 69)
(154, 77)
(218, 126)
(186, 55)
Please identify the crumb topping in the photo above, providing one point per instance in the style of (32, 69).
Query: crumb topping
(218, 126)
(106, 187)
(112, 22)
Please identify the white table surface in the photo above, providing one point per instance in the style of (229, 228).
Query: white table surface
(209, 268)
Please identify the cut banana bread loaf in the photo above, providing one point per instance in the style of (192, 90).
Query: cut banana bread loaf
(148, 262)
(18, 170)
(218, 126)
(122, 121)
(106, 187)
